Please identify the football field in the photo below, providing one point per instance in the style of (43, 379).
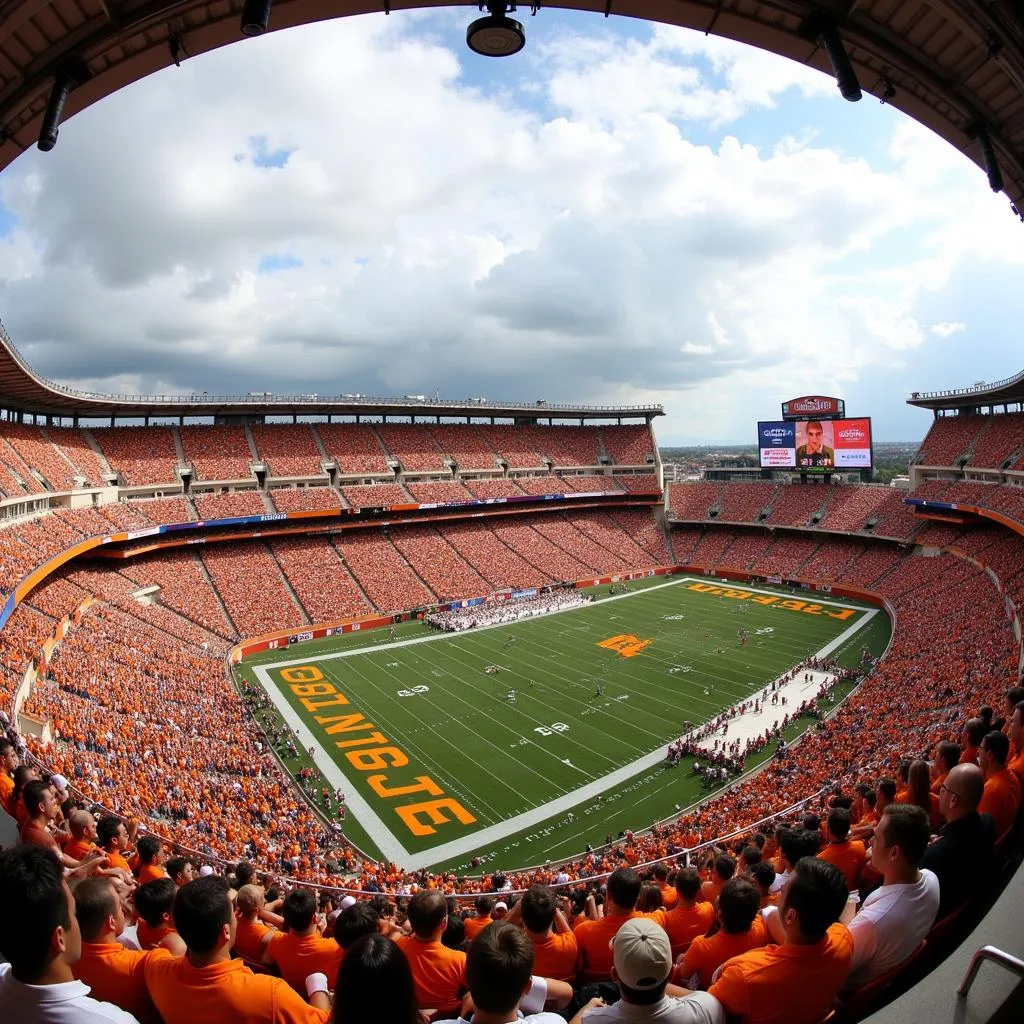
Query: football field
(439, 764)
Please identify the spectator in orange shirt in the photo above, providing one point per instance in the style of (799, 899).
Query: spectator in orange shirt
(1001, 798)
(796, 981)
(377, 984)
(154, 903)
(1014, 696)
(554, 944)
(724, 868)
(114, 841)
(438, 973)
(593, 937)
(947, 757)
(668, 893)
(902, 782)
(482, 917)
(41, 807)
(113, 973)
(739, 910)
(649, 902)
(206, 984)
(1016, 733)
(82, 826)
(690, 918)
(8, 763)
(849, 855)
(763, 876)
(301, 950)
(180, 871)
(919, 793)
(251, 934)
(355, 921)
(151, 859)
(973, 734)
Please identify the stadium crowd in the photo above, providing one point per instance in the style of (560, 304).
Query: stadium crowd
(494, 613)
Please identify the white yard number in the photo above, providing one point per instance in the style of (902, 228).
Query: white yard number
(555, 727)
(413, 691)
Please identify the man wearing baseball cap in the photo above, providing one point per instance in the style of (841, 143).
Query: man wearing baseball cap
(641, 965)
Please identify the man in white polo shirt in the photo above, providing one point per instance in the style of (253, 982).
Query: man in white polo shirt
(40, 937)
(895, 918)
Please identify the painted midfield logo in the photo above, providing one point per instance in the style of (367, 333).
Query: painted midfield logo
(626, 645)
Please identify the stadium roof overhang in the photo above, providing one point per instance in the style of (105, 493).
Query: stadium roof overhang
(23, 390)
(1001, 392)
(956, 66)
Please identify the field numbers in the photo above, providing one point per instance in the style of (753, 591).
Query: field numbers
(555, 727)
(414, 691)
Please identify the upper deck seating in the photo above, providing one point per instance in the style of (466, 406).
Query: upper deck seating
(413, 445)
(218, 453)
(143, 455)
(354, 446)
(289, 449)
(629, 445)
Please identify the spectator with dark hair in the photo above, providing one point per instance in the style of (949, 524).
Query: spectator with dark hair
(154, 903)
(40, 938)
(114, 840)
(762, 875)
(301, 951)
(649, 902)
(849, 855)
(642, 965)
(668, 893)
(554, 944)
(723, 869)
(692, 915)
(481, 918)
(354, 922)
(973, 734)
(1015, 730)
(113, 973)
(739, 906)
(42, 808)
(244, 873)
(151, 859)
(206, 984)
(750, 856)
(1013, 697)
(377, 985)
(438, 973)
(794, 845)
(1001, 798)
(8, 763)
(179, 870)
(593, 936)
(947, 757)
(796, 981)
(895, 918)
(961, 855)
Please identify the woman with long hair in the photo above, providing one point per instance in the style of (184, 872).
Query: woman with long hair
(919, 792)
(374, 984)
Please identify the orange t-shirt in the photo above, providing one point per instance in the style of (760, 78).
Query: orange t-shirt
(6, 789)
(115, 860)
(593, 938)
(1017, 767)
(706, 955)
(849, 856)
(786, 984)
(151, 872)
(475, 925)
(1001, 799)
(555, 956)
(249, 941)
(937, 783)
(299, 956)
(669, 896)
(150, 937)
(224, 991)
(35, 836)
(684, 924)
(969, 755)
(76, 849)
(116, 975)
(438, 973)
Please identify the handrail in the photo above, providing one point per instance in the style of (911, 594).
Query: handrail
(977, 389)
(997, 956)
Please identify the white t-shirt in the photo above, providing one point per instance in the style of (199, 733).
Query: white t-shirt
(696, 1008)
(67, 1003)
(890, 926)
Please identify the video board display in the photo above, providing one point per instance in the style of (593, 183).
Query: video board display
(815, 446)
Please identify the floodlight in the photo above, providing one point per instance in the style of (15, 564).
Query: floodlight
(846, 77)
(255, 17)
(979, 133)
(50, 128)
(496, 35)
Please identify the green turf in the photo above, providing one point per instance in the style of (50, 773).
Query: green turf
(487, 753)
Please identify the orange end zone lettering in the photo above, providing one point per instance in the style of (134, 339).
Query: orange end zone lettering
(377, 757)
(843, 614)
(704, 588)
(302, 674)
(793, 606)
(739, 595)
(434, 810)
(312, 689)
(424, 784)
(813, 609)
(764, 599)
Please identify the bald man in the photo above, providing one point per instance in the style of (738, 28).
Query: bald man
(83, 834)
(961, 854)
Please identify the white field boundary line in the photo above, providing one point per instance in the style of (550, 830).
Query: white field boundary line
(389, 844)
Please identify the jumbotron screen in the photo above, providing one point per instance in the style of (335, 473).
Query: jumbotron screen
(815, 446)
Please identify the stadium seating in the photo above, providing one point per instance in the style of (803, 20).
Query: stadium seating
(565, 446)
(692, 502)
(228, 504)
(288, 449)
(849, 508)
(601, 529)
(439, 491)
(250, 584)
(786, 556)
(535, 548)
(590, 482)
(123, 515)
(166, 510)
(38, 453)
(218, 453)
(747, 547)
(444, 570)
(741, 502)
(642, 527)
(142, 455)
(467, 445)
(493, 488)
(895, 518)
(539, 485)
(684, 540)
(1000, 440)
(73, 445)
(413, 445)
(948, 439)
(305, 499)
(17, 467)
(494, 561)
(794, 504)
(381, 571)
(376, 495)
(355, 447)
(638, 483)
(629, 446)
(587, 552)
(323, 585)
(514, 446)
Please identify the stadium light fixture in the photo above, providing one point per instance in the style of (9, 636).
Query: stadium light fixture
(979, 133)
(497, 35)
(842, 67)
(63, 83)
(255, 17)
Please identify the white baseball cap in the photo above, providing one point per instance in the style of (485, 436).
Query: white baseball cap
(642, 954)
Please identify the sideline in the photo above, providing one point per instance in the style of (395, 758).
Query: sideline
(389, 845)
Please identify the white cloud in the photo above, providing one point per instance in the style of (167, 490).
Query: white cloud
(948, 328)
(443, 235)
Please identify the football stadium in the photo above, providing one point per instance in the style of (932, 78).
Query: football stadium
(339, 707)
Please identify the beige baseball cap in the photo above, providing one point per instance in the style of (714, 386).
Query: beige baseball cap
(642, 954)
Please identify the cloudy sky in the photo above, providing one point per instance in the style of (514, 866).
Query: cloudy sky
(622, 212)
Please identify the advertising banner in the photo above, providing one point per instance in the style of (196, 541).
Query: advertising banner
(815, 446)
(813, 405)
(777, 441)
